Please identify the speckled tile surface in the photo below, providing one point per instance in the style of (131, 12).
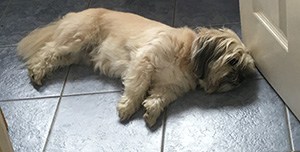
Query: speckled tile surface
(90, 123)
(23, 16)
(3, 6)
(159, 10)
(82, 79)
(206, 13)
(295, 131)
(29, 122)
(240, 120)
(15, 83)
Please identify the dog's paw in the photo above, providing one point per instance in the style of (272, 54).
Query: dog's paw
(36, 79)
(125, 109)
(124, 112)
(149, 119)
(153, 111)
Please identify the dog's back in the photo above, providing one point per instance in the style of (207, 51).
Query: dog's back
(61, 42)
(89, 26)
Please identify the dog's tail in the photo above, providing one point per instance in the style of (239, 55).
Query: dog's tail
(36, 39)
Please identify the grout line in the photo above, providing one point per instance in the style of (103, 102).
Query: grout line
(8, 45)
(33, 98)
(289, 128)
(65, 81)
(219, 24)
(163, 131)
(229, 23)
(89, 4)
(92, 93)
(174, 13)
(216, 24)
(56, 111)
(67, 95)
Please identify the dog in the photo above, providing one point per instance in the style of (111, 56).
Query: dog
(157, 63)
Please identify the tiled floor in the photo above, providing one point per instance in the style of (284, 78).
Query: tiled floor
(75, 109)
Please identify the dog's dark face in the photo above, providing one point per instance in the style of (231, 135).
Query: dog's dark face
(220, 60)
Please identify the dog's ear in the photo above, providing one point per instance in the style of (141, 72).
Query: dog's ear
(208, 47)
(204, 53)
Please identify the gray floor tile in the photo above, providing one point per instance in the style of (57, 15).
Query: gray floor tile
(159, 10)
(83, 79)
(90, 123)
(22, 17)
(250, 118)
(4, 2)
(236, 27)
(295, 130)
(205, 13)
(29, 122)
(15, 84)
(3, 6)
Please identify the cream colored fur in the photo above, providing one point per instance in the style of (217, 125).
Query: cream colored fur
(156, 62)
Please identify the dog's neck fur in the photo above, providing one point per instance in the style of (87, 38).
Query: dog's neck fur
(187, 37)
(183, 39)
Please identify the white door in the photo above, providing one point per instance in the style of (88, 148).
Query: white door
(271, 30)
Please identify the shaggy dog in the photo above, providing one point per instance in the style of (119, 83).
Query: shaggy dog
(156, 62)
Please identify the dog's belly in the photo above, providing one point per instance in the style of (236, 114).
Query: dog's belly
(111, 57)
(114, 54)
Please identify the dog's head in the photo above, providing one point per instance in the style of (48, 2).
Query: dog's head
(220, 59)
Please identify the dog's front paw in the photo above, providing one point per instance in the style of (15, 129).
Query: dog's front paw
(126, 109)
(153, 111)
(149, 119)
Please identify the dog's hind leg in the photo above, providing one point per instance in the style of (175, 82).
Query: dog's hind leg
(53, 55)
(57, 44)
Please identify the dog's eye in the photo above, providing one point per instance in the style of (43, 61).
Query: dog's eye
(233, 61)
